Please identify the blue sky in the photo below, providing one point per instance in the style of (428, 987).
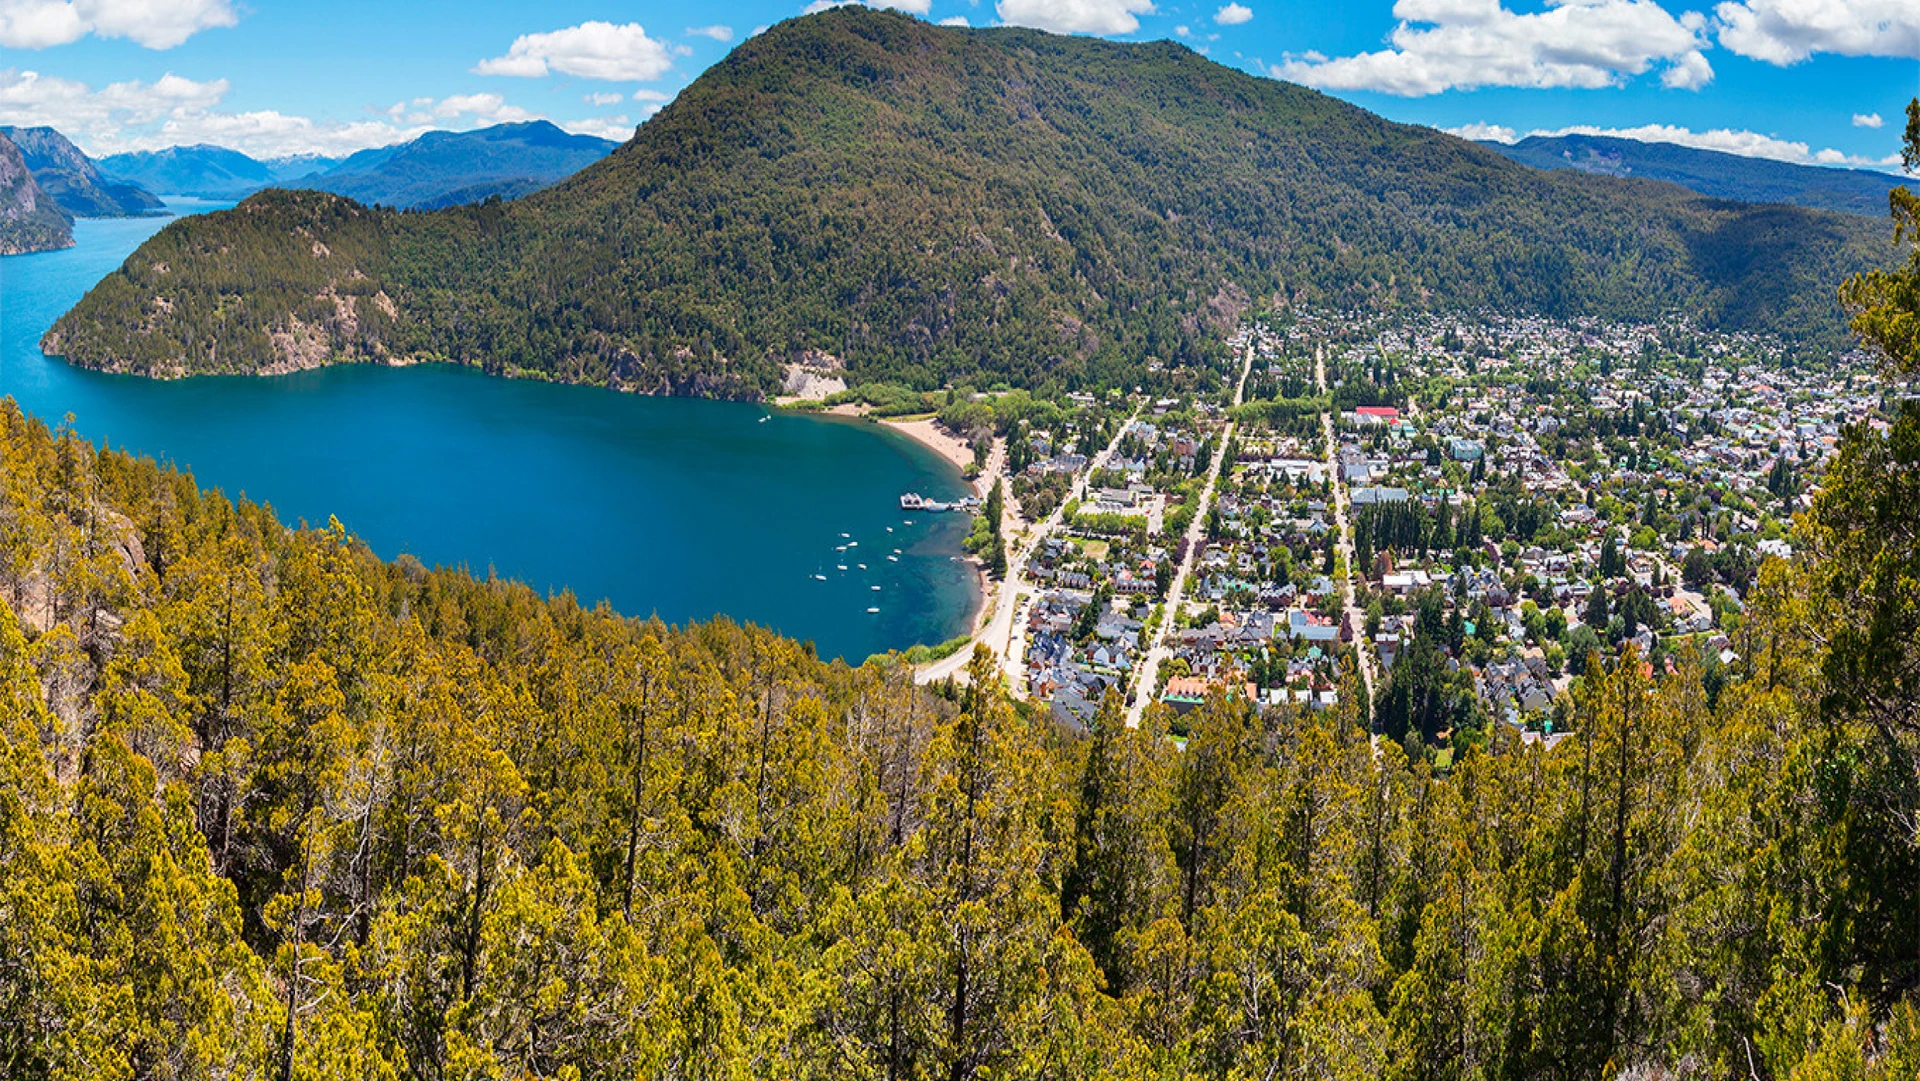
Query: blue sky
(1799, 80)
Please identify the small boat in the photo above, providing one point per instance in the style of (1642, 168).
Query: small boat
(876, 589)
(873, 611)
(763, 420)
(821, 577)
(844, 536)
(853, 544)
(894, 559)
(909, 521)
(889, 529)
(863, 566)
(839, 547)
(843, 566)
(912, 501)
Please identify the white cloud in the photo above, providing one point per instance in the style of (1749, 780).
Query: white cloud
(1481, 133)
(955, 20)
(156, 24)
(716, 32)
(654, 96)
(174, 111)
(592, 50)
(1690, 72)
(1233, 15)
(617, 128)
(604, 99)
(1747, 144)
(1075, 16)
(1461, 44)
(1867, 120)
(1182, 32)
(1787, 31)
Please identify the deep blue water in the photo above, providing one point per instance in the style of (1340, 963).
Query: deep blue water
(683, 508)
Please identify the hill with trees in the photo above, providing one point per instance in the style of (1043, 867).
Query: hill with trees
(930, 205)
(30, 221)
(72, 179)
(1710, 172)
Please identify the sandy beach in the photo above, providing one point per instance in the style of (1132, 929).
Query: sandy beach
(930, 434)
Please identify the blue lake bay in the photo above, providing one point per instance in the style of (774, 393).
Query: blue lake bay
(682, 508)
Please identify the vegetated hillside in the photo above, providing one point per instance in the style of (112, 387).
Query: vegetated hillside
(446, 168)
(1710, 172)
(208, 172)
(74, 181)
(931, 204)
(29, 221)
(272, 808)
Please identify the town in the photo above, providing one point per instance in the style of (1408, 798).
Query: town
(1450, 515)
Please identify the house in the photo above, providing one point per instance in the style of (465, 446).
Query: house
(1309, 626)
(1183, 693)
(1376, 415)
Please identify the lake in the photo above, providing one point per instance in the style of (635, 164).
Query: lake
(677, 507)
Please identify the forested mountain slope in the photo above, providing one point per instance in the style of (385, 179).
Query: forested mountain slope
(932, 203)
(74, 181)
(29, 220)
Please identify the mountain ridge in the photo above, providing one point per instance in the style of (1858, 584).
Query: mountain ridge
(204, 171)
(932, 204)
(74, 181)
(446, 168)
(1709, 172)
(29, 220)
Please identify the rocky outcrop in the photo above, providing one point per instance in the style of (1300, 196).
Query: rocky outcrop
(29, 221)
(72, 180)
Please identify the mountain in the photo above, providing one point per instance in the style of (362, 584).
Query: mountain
(1710, 172)
(933, 204)
(210, 172)
(294, 167)
(29, 221)
(72, 179)
(446, 168)
(206, 172)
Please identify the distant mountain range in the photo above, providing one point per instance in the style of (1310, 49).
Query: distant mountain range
(438, 169)
(208, 172)
(30, 221)
(447, 168)
(1709, 172)
(936, 205)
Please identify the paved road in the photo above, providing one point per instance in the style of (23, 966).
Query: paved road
(1143, 684)
(1361, 647)
(1000, 631)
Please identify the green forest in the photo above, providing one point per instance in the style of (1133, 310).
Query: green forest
(934, 205)
(273, 808)
(270, 807)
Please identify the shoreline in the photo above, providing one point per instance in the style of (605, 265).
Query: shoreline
(928, 433)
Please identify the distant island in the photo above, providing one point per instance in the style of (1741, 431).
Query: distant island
(914, 205)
